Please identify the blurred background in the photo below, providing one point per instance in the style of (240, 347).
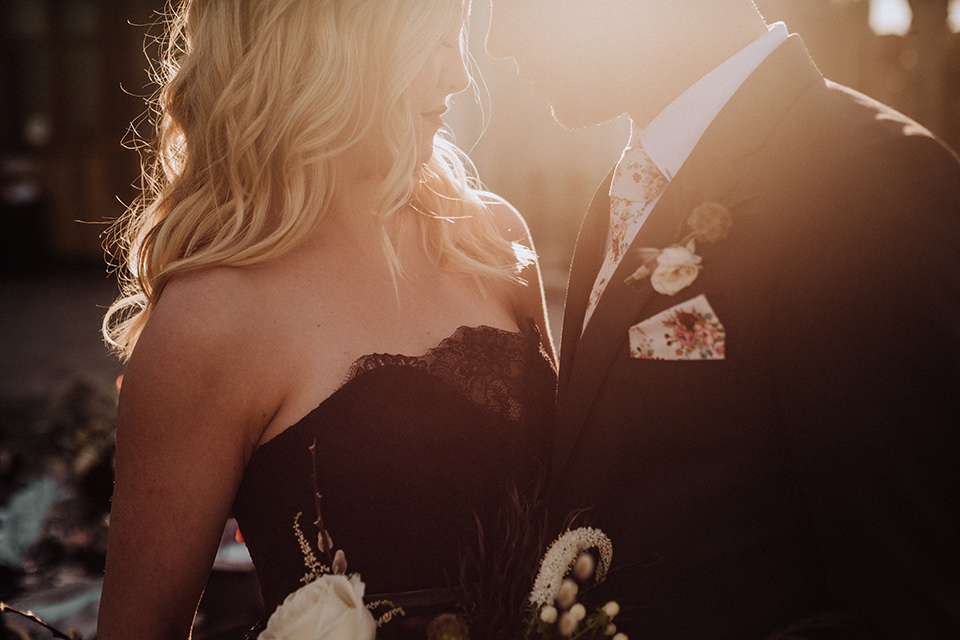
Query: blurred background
(72, 81)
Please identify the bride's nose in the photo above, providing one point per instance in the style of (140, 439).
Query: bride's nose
(454, 77)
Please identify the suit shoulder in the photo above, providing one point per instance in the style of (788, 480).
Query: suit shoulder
(907, 168)
(860, 121)
(836, 138)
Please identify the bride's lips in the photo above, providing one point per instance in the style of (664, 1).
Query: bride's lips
(435, 116)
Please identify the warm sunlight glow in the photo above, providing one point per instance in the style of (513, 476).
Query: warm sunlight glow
(890, 17)
(893, 16)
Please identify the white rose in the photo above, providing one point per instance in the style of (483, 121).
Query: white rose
(329, 608)
(677, 268)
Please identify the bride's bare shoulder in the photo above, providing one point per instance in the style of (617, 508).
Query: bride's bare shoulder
(530, 299)
(506, 218)
(205, 360)
(211, 325)
(215, 304)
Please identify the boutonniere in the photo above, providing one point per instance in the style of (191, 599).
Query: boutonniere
(675, 267)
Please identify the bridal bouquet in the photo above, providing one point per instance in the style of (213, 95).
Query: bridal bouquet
(330, 606)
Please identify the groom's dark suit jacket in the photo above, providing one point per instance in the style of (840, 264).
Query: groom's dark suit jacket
(814, 468)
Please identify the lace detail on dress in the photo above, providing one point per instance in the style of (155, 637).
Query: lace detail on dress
(484, 363)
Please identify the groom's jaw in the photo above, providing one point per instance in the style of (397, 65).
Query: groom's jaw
(594, 61)
(579, 56)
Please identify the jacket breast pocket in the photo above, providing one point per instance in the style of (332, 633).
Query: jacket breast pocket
(690, 330)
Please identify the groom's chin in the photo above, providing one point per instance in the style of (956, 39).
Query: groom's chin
(575, 117)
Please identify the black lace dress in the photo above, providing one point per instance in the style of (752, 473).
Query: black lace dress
(410, 450)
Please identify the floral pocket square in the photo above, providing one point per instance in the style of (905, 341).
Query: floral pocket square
(687, 331)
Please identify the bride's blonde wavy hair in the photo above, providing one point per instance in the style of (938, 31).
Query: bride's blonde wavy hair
(257, 101)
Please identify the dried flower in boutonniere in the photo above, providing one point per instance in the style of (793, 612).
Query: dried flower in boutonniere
(576, 561)
(710, 222)
(675, 267)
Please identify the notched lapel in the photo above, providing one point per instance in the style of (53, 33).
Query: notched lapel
(621, 304)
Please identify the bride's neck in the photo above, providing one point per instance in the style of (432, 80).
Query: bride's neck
(352, 219)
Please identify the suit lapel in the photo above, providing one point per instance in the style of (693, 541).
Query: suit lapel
(584, 370)
(709, 174)
(589, 255)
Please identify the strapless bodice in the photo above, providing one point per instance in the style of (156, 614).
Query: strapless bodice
(411, 453)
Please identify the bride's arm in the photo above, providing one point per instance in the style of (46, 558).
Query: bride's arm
(189, 414)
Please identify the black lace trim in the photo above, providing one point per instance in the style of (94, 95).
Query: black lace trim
(484, 363)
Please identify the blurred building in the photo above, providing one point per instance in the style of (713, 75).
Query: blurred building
(67, 69)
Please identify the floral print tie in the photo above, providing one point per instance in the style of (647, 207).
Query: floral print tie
(636, 182)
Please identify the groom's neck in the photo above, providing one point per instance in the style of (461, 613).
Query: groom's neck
(708, 36)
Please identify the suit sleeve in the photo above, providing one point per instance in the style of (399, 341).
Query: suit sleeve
(868, 359)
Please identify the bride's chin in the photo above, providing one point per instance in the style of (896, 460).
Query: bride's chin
(425, 155)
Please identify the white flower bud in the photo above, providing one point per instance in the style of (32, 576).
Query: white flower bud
(583, 569)
(611, 609)
(339, 562)
(610, 629)
(324, 542)
(548, 614)
(567, 594)
(567, 624)
(578, 611)
(620, 636)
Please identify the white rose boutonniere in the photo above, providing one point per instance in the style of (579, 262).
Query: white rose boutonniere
(675, 267)
(329, 608)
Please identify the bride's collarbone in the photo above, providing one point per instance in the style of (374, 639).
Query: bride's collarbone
(324, 341)
(322, 346)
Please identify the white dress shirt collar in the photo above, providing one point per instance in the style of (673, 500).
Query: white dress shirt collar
(671, 136)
